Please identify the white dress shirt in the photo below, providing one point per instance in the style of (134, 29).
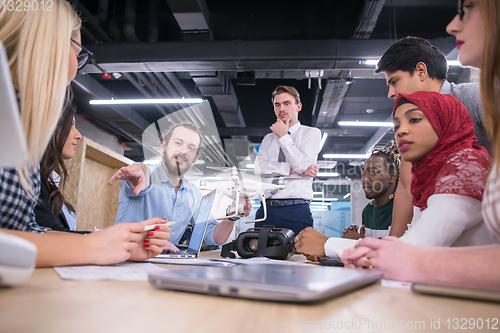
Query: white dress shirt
(449, 220)
(301, 148)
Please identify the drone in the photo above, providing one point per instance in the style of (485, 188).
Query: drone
(236, 188)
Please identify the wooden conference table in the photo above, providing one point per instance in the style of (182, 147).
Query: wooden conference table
(46, 303)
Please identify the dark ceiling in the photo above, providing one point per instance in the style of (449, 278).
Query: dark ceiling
(234, 53)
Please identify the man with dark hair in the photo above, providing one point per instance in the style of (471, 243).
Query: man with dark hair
(412, 64)
(380, 180)
(164, 192)
(291, 150)
(406, 53)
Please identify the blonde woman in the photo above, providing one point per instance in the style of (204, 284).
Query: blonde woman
(477, 29)
(42, 47)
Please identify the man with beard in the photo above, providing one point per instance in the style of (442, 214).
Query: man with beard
(164, 192)
(380, 179)
(291, 150)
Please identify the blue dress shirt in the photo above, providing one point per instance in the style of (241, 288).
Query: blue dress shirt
(160, 200)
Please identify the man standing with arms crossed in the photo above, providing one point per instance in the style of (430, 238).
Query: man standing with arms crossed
(290, 151)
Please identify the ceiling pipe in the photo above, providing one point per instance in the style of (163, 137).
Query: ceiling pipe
(264, 50)
(154, 90)
(136, 84)
(163, 79)
(93, 23)
(154, 10)
(164, 92)
(333, 98)
(115, 32)
(129, 25)
(102, 12)
(369, 19)
(177, 84)
(87, 34)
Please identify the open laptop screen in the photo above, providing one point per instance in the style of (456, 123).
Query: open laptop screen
(13, 149)
(201, 221)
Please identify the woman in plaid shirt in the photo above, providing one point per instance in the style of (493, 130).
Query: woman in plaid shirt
(44, 55)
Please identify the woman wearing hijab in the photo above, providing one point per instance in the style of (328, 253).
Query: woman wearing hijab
(477, 29)
(436, 134)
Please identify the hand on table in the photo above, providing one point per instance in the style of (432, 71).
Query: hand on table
(352, 232)
(397, 260)
(310, 242)
(312, 258)
(171, 248)
(125, 241)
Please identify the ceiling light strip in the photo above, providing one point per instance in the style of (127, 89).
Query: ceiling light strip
(375, 62)
(346, 156)
(366, 123)
(146, 101)
(323, 139)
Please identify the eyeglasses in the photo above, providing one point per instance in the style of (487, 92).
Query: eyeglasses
(460, 9)
(84, 56)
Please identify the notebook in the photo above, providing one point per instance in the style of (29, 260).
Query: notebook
(283, 283)
(200, 226)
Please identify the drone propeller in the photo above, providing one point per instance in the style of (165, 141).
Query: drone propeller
(286, 178)
(225, 169)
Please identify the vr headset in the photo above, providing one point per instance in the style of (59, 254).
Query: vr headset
(270, 242)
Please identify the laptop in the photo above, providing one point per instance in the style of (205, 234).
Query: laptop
(13, 148)
(270, 282)
(200, 226)
(17, 255)
(457, 292)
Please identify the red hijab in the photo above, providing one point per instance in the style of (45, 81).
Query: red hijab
(455, 165)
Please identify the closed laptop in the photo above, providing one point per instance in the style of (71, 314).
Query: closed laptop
(285, 283)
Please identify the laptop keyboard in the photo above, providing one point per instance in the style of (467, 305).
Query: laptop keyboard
(171, 254)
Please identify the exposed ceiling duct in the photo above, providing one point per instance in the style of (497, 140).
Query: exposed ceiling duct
(244, 55)
(336, 89)
(236, 53)
(193, 18)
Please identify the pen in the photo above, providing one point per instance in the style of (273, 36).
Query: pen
(152, 226)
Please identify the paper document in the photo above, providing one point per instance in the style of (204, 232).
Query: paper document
(125, 271)
(396, 284)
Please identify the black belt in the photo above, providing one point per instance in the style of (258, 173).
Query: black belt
(286, 202)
